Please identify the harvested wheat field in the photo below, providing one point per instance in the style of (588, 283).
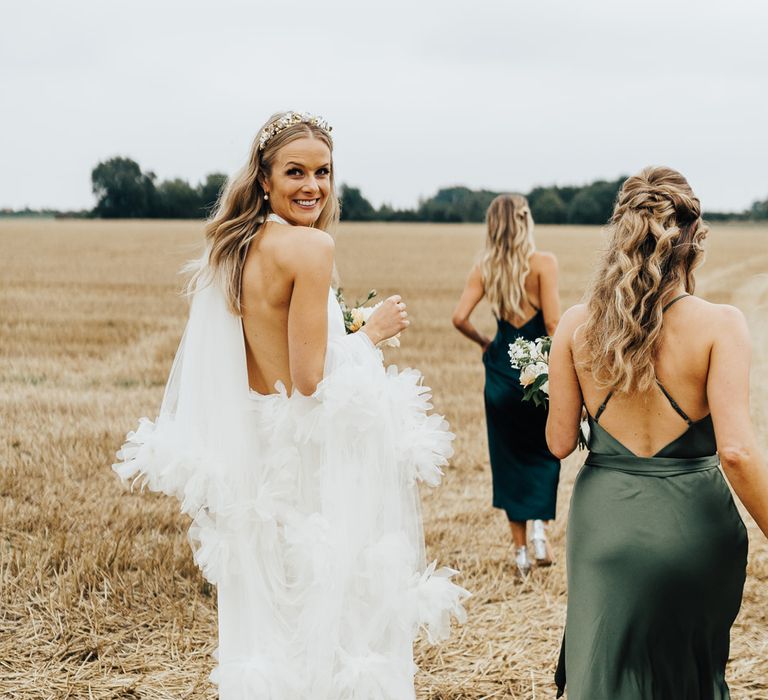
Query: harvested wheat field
(99, 597)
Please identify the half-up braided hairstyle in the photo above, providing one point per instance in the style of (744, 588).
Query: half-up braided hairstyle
(242, 209)
(506, 260)
(655, 238)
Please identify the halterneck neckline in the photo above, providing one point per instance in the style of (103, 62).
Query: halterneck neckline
(277, 219)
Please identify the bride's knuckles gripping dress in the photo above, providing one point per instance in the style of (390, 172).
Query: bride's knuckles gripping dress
(305, 511)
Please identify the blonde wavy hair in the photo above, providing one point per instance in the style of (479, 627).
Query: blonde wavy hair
(506, 260)
(242, 209)
(655, 239)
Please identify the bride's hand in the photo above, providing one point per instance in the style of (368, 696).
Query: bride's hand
(387, 321)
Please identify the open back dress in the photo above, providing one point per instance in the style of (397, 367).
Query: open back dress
(656, 555)
(525, 473)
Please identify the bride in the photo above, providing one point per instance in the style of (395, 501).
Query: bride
(295, 452)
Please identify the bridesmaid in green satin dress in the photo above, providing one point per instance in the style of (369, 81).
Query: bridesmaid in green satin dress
(521, 286)
(656, 549)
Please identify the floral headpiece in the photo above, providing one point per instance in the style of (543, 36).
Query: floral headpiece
(290, 119)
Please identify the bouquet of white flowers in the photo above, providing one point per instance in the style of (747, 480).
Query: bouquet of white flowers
(531, 357)
(355, 317)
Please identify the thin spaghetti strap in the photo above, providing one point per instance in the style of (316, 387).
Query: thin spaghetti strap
(602, 407)
(668, 304)
(674, 404)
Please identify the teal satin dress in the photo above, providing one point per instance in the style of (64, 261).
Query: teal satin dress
(525, 473)
(656, 557)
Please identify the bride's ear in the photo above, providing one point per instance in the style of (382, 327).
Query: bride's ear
(263, 184)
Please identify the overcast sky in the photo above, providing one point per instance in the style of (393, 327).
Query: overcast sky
(421, 94)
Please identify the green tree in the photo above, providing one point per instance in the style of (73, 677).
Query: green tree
(605, 192)
(122, 190)
(176, 199)
(585, 209)
(210, 190)
(593, 204)
(548, 207)
(759, 211)
(456, 204)
(355, 207)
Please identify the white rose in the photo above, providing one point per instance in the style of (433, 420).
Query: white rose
(528, 375)
(358, 319)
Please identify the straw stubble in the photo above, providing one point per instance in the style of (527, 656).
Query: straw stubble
(99, 597)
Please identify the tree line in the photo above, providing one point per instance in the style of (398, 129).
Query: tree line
(590, 204)
(124, 191)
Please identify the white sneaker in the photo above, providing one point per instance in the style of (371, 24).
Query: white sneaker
(522, 561)
(540, 545)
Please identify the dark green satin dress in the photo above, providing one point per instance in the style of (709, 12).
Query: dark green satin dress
(525, 473)
(656, 557)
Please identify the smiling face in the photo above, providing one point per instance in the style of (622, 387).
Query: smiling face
(299, 182)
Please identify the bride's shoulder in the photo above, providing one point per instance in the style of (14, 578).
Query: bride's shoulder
(305, 246)
(307, 236)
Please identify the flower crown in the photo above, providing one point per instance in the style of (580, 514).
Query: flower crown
(289, 119)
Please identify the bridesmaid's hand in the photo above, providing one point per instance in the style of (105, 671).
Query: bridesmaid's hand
(387, 320)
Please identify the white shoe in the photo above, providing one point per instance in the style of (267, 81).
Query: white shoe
(522, 561)
(541, 550)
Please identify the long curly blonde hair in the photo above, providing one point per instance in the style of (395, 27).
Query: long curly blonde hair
(655, 239)
(242, 209)
(506, 260)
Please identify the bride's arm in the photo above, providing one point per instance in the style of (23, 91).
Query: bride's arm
(312, 267)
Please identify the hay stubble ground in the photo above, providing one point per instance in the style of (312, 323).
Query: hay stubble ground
(99, 597)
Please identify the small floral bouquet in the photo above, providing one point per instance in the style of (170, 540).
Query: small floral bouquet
(531, 357)
(355, 317)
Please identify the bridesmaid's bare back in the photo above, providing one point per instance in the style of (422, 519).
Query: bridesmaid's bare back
(540, 263)
(646, 423)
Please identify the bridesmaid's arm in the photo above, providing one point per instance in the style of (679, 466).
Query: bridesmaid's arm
(470, 298)
(565, 399)
(728, 397)
(548, 291)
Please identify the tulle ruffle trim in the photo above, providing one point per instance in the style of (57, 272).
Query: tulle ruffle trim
(367, 428)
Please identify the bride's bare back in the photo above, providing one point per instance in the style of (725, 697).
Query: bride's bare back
(285, 283)
(286, 276)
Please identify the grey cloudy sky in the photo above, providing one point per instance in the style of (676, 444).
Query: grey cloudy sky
(421, 94)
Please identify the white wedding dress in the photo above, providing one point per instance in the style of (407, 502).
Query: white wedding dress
(305, 511)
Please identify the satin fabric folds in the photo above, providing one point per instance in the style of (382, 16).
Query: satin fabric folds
(305, 512)
(657, 557)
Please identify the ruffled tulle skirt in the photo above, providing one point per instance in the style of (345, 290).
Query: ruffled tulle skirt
(310, 528)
